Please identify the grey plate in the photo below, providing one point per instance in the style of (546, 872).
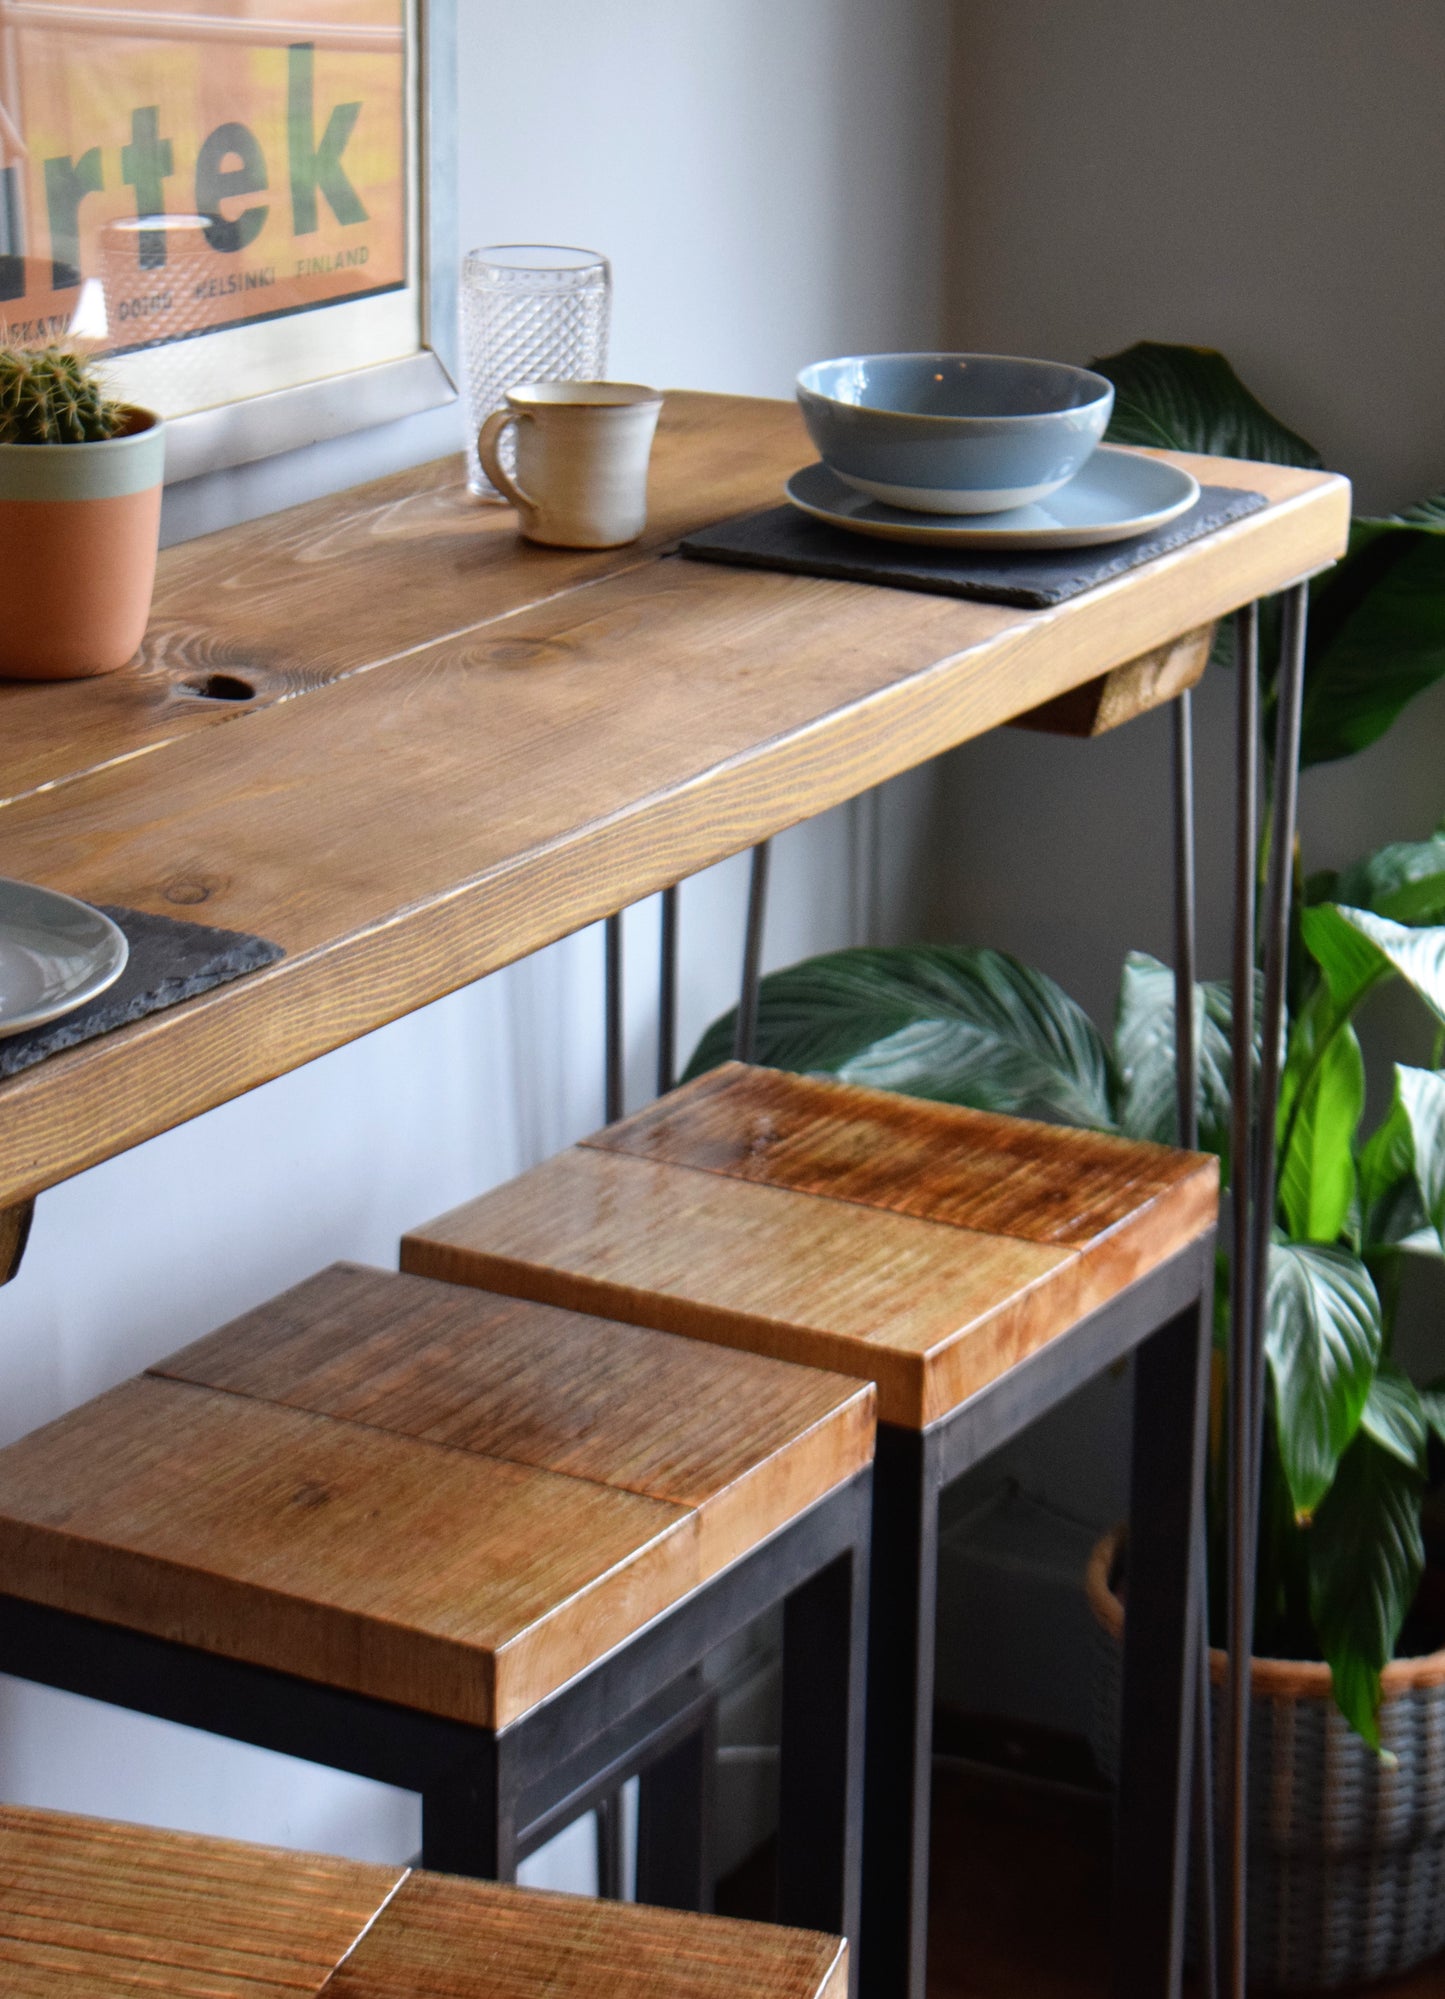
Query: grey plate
(1115, 494)
(55, 954)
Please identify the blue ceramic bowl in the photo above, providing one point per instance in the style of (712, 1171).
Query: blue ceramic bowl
(953, 433)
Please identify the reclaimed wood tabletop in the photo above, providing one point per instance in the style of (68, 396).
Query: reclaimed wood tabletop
(409, 748)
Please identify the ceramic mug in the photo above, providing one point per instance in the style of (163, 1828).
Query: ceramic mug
(582, 452)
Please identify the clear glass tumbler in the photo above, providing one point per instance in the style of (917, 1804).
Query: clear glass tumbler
(531, 312)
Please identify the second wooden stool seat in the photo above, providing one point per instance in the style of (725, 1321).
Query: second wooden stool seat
(978, 1269)
(90, 1909)
(470, 1546)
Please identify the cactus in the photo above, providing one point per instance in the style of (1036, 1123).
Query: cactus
(49, 395)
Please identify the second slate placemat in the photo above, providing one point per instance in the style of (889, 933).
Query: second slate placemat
(1030, 579)
(169, 961)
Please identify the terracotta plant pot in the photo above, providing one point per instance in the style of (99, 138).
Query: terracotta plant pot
(1346, 1851)
(79, 526)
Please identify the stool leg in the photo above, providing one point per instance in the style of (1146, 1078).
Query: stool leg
(675, 1868)
(464, 1828)
(1162, 1633)
(820, 1791)
(902, 1619)
(611, 1862)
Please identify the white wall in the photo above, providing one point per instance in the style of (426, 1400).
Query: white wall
(1264, 179)
(767, 181)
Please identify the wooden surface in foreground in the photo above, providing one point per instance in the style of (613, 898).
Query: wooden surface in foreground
(90, 1909)
(448, 748)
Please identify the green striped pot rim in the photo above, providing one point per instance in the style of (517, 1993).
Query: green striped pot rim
(107, 470)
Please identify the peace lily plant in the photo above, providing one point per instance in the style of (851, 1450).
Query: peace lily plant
(1349, 1436)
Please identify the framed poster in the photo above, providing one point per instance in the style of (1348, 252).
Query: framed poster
(226, 199)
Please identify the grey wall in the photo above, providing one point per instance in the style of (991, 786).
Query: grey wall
(1264, 179)
(1267, 179)
(1261, 178)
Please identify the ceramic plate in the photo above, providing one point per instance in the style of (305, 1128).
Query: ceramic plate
(1115, 494)
(55, 954)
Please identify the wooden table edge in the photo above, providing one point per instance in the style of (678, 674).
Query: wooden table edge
(162, 1071)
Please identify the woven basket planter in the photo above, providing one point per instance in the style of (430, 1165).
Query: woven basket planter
(1346, 1853)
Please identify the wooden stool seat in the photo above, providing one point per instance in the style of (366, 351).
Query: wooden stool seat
(100, 1910)
(439, 1499)
(921, 1246)
(977, 1268)
(90, 1908)
(481, 1544)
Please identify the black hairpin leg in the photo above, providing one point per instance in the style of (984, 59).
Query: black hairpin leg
(612, 1091)
(667, 990)
(745, 1039)
(1187, 1107)
(1253, 1178)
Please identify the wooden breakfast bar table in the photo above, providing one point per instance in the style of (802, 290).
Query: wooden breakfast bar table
(408, 748)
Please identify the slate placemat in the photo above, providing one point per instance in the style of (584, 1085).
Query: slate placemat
(169, 961)
(1030, 579)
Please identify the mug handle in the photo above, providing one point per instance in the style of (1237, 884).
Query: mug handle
(489, 439)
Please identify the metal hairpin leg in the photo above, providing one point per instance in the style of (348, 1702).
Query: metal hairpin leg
(612, 1091)
(667, 991)
(1253, 1175)
(1240, 1589)
(745, 1039)
(1187, 1105)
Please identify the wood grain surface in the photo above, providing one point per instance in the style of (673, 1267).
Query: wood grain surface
(14, 1234)
(94, 1910)
(920, 1246)
(1127, 692)
(1003, 1176)
(585, 747)
(746, 1443)
(438, 1579)
(468, 1940)
(433, 1517)
(91, 1909)
(291, 602)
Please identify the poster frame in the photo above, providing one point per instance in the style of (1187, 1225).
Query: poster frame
(281, 420)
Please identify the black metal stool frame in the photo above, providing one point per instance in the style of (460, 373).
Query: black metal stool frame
(490, 1797)
(1164, 1319)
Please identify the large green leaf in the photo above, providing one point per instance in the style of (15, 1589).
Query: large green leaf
(1355, 949)
(1145, 1058)
(1321, 1102)
(1366, 1557)
(1190, 399)
(1377, 620)
(1396, 1417)
(1404, 881)
(1390, 1207)
(1432, 1402)
(963, 1026)
(1425, 513)
(1376, 636)
(1421, 1096)
(1322, 1341)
